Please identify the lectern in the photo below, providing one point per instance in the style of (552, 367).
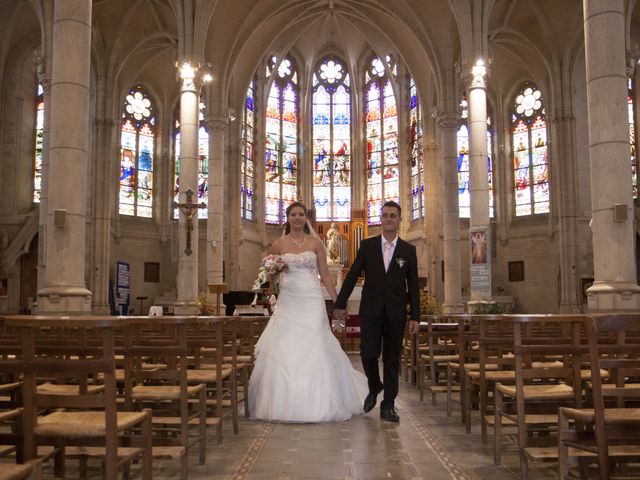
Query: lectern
(218, 289)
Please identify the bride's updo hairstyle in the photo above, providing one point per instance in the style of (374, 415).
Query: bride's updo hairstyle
(287, 227)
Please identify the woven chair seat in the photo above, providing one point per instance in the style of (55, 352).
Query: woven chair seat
(118, 372)
(83, 424)
(474, 366)
(612, 416)
(540, 392)
(494, 375)
(55, 389)
(9, 387)
(239, 358)
(586, 375)
(440, 358)
(162, 392)
(13, 471)
(206, 376)
(10, 414)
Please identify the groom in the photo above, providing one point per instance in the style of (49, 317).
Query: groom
(390, 268)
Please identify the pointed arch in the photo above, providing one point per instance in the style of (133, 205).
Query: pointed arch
(529, 147)
(39, 139)
(281, 139)
(248, 161)
(381, 118)
(331, 114)
(137, 148)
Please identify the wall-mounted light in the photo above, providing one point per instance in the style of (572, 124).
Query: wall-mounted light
(187, 71)
(479, 69)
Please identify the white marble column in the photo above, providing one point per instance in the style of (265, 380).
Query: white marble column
(615, 287)
(187, 284)
(478, 183)
(448, 125)
(215, 225)
(64, 289)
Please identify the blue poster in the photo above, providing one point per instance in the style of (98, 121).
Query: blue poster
(123, 287)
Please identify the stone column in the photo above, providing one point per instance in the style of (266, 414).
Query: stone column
(215, 225)
(64, 289)
(567, 209)
(432, 222)
(188, 180)
(480, 271)
(102, 212)
(615, 287)
(448, 125)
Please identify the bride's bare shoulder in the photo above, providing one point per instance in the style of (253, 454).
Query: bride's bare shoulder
(276, 248)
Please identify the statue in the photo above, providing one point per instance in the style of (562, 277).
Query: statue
(333, 244)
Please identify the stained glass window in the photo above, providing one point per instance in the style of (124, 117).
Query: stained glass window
(383, 175)
(417, 153)
(529, 146)
(247, 165)
(632, 139)
(203, 165)
(37, 163)
(137, 136)
(464, 195)
(331, 141)
(281, 148)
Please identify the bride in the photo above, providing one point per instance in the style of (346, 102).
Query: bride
(301, 373)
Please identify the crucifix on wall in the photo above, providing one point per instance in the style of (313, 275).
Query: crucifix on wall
(189, 210)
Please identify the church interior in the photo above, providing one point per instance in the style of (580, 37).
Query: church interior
(149, 149)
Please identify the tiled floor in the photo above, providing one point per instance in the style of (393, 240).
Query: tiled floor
(426, 444)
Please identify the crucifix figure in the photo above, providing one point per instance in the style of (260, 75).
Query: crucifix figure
(189, 210)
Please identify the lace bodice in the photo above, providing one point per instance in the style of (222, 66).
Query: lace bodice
(305, 260)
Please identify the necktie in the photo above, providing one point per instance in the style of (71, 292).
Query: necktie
(388, 253)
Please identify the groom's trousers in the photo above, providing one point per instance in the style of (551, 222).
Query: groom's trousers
(381, 334)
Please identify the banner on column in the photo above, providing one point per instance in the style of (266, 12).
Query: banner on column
(480, 260)
(123, 287)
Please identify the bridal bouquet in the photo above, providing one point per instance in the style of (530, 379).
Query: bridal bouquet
(269, 271)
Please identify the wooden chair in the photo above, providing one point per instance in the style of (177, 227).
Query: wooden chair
(166, 390)
(441, 348)
(9, 471)
(210, 341)
(495, 359)
(82, 419)
(608, 433)
(468, 360)
(548, 354)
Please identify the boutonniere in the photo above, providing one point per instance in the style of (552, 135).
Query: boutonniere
(400, 262)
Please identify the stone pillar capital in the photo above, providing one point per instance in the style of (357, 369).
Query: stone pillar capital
(631, 64)
(45, 80)
(430, 146)
(476, 76)
(193, 77)
(449, 121)
(217, 123)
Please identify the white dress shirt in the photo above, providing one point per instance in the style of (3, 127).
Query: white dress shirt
(387, 252)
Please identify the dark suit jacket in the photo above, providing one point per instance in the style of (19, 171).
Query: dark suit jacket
(384, 290)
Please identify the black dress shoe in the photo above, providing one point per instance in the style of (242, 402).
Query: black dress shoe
(389, 414)
(371, 400)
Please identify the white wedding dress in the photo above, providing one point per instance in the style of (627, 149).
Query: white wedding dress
(301, 373)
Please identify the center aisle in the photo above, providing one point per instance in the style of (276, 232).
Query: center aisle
(426, 444)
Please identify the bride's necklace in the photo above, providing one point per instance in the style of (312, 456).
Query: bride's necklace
(299, 244)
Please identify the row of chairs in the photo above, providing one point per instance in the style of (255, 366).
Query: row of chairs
(120, 388)
(549, 377)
